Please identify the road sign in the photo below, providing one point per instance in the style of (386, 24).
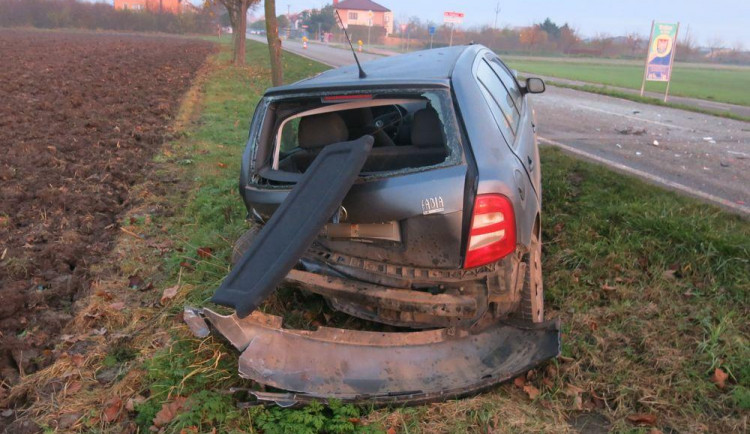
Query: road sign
(431, 29)
(660, 54)
(453, 17)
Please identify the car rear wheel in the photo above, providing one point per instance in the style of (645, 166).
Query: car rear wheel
(532, 298)
(243, 243)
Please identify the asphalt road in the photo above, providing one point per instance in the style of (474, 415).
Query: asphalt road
(704, 156)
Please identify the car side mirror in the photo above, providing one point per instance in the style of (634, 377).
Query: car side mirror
(535, 85)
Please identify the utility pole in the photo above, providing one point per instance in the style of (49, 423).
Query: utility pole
(497, 11)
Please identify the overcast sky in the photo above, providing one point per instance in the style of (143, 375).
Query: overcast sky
(728, 20)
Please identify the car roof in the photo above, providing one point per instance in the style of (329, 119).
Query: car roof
(422, 68)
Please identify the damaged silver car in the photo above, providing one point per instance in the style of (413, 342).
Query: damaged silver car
(409, 197)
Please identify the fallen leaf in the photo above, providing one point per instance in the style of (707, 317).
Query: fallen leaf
(222, 165)
(606, 287)
(354, 420)
(593, 326)
(117, 305)
(391, 430)
(719, 378)
(133, 402)
(112, 411)
(551, 371)
(188, 265)
(205, 252)
(669, 274)
(547, 382)
(656, 431)
(169, 294)
(519, 381)
(77, 360)
(642, 419)
(572, 390)
(578, 402)
(169, 411)
(73, 387)
(532, 391)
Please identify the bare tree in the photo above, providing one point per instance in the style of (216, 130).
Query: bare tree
(633, 41)
(686, 44)
(274, 43)
(714, 45)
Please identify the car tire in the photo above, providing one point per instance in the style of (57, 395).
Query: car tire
(532, 297)
(243, 243)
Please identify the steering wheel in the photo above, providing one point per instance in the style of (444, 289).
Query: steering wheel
(389, 120)
(392, 119)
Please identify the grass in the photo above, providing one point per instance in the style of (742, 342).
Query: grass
(703, 82)
(651, 287)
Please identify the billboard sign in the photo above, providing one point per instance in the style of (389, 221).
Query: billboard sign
(453, 17)
(661, 50)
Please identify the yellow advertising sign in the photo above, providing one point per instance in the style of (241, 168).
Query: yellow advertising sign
(661, 52)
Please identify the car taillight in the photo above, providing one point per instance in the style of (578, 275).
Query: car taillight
(493, 230)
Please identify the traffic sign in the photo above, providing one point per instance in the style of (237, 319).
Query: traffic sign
(431, 29)
(453, 17)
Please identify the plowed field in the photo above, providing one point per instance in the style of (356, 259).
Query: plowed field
(81, 114)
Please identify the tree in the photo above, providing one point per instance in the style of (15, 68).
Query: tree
(568, 38)
(715, 45)
(633, 41)
(274, 43)
(283, 22)
(686, 44)
(323, 19)
(552, 29)
(533, 36)
(237, 11)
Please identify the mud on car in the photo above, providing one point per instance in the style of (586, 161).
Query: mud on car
(409, 197)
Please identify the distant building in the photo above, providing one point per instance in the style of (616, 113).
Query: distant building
(166, 6)
(357, 12)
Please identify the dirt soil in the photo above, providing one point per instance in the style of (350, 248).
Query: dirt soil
(81, 115)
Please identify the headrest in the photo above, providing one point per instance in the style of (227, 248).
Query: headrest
(320, 130)
(427, 130)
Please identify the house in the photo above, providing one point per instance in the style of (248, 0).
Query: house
(360, 12)
(166, 6)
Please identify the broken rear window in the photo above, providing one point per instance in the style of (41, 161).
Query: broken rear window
(412, 130)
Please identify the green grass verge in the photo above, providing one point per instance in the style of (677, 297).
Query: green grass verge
(652, 289)
(715, 84)
(604, 90)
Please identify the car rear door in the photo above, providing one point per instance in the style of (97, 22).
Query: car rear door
(512, 113)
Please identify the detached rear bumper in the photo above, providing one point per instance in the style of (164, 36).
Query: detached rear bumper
(381, 368)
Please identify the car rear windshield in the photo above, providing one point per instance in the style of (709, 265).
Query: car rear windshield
(413, 130)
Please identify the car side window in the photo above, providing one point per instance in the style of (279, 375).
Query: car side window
(509, 81)
(501, 104)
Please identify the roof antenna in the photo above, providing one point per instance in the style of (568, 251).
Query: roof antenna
(361, 71)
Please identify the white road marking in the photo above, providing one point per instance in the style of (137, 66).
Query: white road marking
(653, 178)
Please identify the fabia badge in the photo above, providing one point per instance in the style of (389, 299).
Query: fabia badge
(432, 205)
